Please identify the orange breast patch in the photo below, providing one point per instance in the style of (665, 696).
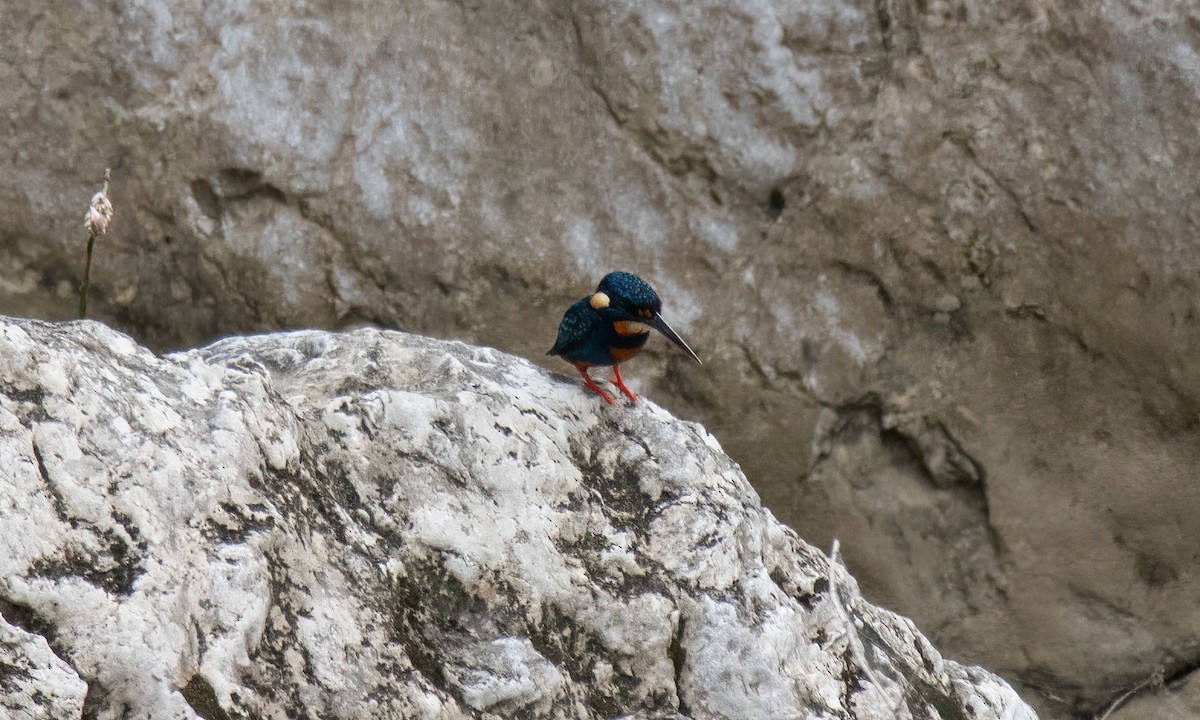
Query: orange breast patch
(628, 327)
(623, 354)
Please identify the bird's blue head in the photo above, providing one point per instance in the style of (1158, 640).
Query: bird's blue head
(630, 295)
(629, 301)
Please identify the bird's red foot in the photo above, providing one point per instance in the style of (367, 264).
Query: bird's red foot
(591, 385)
(621, 384)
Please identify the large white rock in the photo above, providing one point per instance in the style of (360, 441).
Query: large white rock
(374, 524)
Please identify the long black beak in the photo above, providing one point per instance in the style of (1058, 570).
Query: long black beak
(661, 325)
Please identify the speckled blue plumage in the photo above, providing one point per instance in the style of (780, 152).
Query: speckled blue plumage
(578, 325)
(585, 337)
(631, 289)
(611, 326)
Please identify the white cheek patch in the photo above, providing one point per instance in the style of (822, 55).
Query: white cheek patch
(599, 301)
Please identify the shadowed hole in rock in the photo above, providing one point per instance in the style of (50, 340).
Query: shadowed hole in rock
(239, 181)
(775, 204)
(206, 198)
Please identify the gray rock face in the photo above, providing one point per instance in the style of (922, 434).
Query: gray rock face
(939, 256)
(375, 525)
(1180, 699)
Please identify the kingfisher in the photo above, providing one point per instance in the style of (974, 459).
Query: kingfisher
(610, 326)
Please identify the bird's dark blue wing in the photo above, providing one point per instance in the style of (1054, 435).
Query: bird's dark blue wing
(576, 327)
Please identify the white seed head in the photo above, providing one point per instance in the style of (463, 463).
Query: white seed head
(99, 214)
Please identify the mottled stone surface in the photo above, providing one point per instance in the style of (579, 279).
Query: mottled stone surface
(375, 524)
(940, 257)
(35, 684)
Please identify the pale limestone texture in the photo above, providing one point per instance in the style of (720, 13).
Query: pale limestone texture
(380, 525)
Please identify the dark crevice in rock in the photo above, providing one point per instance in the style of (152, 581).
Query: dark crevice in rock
(233, 185)
(206, 198)
(201, 697)
(28, 619)
(957, 481)
(820, 587)
(870, 277)
(883, 16)
(60, 505)
(775, 204)
(678, 656)
(238, 182)
(943, 459)
(1098, 601)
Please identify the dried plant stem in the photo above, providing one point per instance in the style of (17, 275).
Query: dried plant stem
(1154, 681)
(87, 274)
(100, 212)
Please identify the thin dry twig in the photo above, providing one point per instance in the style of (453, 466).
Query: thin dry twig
(99, 215)
(1155, 681)
(834, 561)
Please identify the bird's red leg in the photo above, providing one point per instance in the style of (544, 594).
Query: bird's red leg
(591, 384)
(621, 384)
